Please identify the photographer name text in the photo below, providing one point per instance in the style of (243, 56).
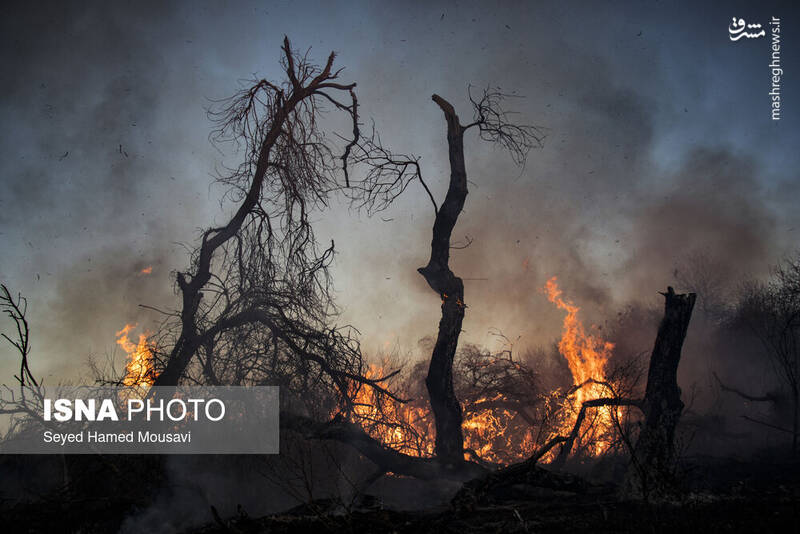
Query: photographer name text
(93, 436)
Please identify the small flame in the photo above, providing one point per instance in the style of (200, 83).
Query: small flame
(139, 369)
(147, 270)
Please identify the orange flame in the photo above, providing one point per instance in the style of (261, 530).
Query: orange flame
(400, 426)
(147, 270)
(587, 356)
(139, 369)
(492, 432)
(492, 428)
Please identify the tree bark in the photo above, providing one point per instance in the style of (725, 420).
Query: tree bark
(653, 457)
(439, 382)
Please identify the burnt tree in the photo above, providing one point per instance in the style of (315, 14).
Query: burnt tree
(256, 302)
(387, 177)
(493, 125)
(653, 457)
(445, 405)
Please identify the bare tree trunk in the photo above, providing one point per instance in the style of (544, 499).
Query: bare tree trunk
(653, 456)
(445, 405)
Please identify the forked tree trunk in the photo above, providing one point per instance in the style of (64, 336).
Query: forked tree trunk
(445, 405)
(652, 465)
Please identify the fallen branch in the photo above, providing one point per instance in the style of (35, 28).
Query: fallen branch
(769, 397)
(569, 441)
(764, 423)
(387, 459)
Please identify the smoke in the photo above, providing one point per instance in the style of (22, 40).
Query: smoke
(109, 164)
(98, 173)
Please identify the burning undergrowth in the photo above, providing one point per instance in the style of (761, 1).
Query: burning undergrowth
(511, 409)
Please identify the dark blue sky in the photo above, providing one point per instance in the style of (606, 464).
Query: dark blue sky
(660, 149)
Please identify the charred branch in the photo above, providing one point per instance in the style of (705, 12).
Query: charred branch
(386, 177)
(26, 399)
(387, 459)
(569, 440)
(496, 124)
(15, 309)
(768, 425)
(506, 483)
(769, 397)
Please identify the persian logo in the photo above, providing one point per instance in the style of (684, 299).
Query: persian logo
(738, 29)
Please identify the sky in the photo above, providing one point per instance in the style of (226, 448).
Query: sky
(660, 149)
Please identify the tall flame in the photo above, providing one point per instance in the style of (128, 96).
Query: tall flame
(139, 369)
(587, 356)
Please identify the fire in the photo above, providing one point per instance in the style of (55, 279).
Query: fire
(494, 426)
(403, 427)
(139, 369)
(147, 270)
(494, 433)
(587, 356)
